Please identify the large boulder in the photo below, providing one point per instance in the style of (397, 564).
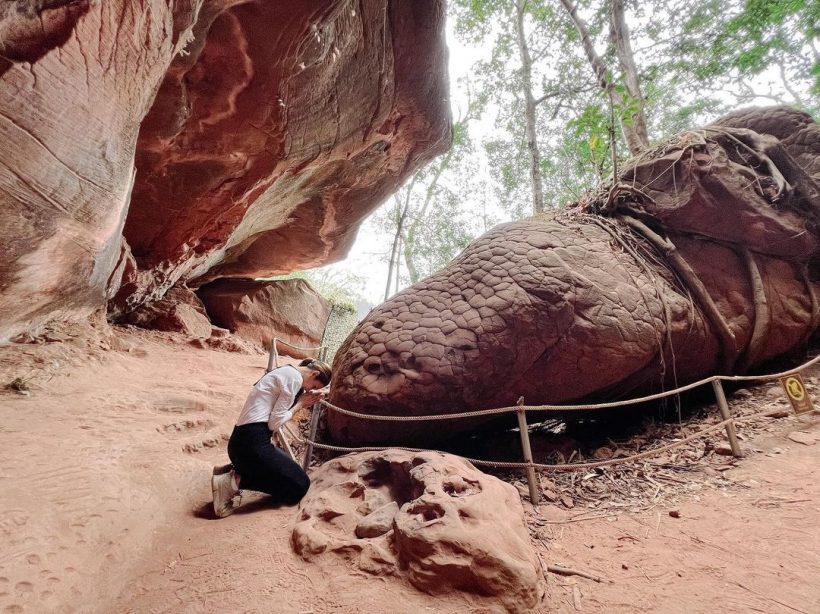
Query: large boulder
(428, 517)
(179, 311)
(289, 309)
(702, 259)
(222, 137)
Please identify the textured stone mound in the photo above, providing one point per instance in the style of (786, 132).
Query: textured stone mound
(431, 518)
(152, 144)
(260, 310)
(701, 259)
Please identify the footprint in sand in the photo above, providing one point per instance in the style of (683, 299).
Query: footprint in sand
(33, 559)
(211, 442)
(180, 405)
(23, 588)
(186, 426)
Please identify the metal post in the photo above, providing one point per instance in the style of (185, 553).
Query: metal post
(314, 427)
(724, 411)
(532, 480)
(272, 357)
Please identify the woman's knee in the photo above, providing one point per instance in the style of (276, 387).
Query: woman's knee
(298, 485)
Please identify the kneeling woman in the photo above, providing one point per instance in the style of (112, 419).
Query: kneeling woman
(257, 463)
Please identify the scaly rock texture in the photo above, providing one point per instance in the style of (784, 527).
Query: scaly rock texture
(282, 127)
(76, 79)
(153, 144)
(258, 311)
(428, 517)
(700, 260)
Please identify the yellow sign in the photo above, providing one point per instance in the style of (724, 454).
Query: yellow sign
(797, 393)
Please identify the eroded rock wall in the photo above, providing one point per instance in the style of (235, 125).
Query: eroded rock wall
(285, 125)
(76, 79)
(225, 138)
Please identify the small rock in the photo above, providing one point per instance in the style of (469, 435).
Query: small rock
(709, 471)
(603, 453)
(523, 490)
(373, 500)
(220, 333)
(379, 522)
(567, 501)
(777, 413)
(674, 513)
(723, 450)
(550, 495)
(743, 393)
(807, 439)
(775, 392)
(548, 484)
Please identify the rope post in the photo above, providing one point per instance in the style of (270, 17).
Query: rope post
(273, 357)
(724, 412)
(532, 480)
(314, 427)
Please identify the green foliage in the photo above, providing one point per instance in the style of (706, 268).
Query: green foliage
(697, 59)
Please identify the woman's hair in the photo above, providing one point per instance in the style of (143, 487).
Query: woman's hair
(321, 368)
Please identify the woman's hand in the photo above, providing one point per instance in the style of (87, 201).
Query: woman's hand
(310, 398)
(306, 401)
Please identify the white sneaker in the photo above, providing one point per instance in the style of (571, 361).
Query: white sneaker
(220, 469)
(225, 492)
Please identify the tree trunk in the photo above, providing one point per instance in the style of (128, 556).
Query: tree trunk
(393, 249)
(395, 253)
(412, 230)
(530, 106)
(636, 137)
(633, 141)
(412, 271)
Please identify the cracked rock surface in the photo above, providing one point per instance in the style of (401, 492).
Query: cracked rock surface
(578, 305)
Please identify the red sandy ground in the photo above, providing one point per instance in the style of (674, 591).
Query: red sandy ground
(105, 496)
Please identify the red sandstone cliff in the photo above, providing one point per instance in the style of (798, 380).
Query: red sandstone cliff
(219, 138)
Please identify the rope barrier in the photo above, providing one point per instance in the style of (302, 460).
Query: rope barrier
(273, 358)
(540, 466)
(571, 408)
(728, 423)
(297, 347)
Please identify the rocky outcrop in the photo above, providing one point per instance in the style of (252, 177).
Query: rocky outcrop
(428, 517)
(226, 137)
(258, 311)
(263, 151)
(76, 80)
(702, 259)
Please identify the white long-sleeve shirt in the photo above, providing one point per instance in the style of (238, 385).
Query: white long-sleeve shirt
(271, 398)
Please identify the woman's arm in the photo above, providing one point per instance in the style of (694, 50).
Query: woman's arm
(285, 391)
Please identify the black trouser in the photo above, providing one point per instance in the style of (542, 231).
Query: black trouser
(264, 467)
